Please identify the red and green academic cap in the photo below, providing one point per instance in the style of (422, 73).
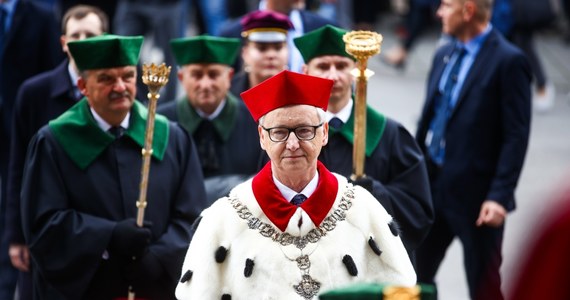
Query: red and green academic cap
(205, 49)
(287, 88)
(326, 40)
(106, 51)
(265, 26)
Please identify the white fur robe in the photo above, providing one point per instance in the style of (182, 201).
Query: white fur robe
(272, 269)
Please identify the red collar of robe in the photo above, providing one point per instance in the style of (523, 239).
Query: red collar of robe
(279, 210)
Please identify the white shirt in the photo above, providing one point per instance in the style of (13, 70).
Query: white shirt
(343, 114)
(106, 126)
(74, 77)
(216, 112)
(295, 58)
(288, 193)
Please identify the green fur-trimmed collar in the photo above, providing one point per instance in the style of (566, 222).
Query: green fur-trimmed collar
(375, 124)
(189, 119)
(78, 133)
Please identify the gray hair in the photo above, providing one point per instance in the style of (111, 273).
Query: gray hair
(321, 113)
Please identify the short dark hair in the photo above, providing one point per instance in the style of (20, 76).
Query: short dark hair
(80, 11)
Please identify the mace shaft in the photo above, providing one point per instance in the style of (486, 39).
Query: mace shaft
(358, 154)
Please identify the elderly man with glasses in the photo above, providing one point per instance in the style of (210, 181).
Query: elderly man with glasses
(295, 229)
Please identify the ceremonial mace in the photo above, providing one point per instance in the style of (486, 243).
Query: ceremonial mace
(361, 45)
(154, 77)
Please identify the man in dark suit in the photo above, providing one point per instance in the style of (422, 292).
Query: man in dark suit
(474, 130)
(28, 46)
(303, 21)
(41, 99)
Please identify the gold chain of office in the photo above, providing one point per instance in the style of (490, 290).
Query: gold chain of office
(286, 239)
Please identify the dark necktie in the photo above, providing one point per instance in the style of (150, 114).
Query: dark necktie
(436, 147)
(336, 123)
(205, 137)
(117, 131)
(298, 199)
(3, 15)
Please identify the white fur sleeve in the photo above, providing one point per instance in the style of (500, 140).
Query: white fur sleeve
(202, 275)
(382, 234)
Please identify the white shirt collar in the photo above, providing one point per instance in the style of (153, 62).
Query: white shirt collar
(72, 74)
(295, 18)
(343, 114)
(295, 58)
(106, 126)
(215, 114)
(288, 193)
(74, 77)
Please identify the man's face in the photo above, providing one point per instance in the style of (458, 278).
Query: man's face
(293, 157)
(79, 29)
(451, 13)
(336, 68)
(110, 92)
(206, 85)
(265, 59)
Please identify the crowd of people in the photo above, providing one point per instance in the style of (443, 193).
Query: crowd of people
(251, 187)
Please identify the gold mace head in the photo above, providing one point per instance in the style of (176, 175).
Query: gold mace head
(155, 76)
(362, 44)
(402, 293)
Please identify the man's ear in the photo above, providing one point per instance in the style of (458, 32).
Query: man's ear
(244, 52)
(231, 73)
(469, 10)
(63, 42)
(180, 73)
(305, 69)
(325, 133)
(261, 137)
(82, 85)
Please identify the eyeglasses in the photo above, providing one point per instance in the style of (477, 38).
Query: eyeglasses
(281, 134)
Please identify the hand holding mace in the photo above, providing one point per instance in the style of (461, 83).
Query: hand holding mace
(154, 77)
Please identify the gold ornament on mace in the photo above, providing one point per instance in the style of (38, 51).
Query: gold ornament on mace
(402, 293)
(361, 45)
(154, 77)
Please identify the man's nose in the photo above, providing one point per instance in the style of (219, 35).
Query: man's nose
(333, 73)
(292, 141)
(205, 82)
(120, 85)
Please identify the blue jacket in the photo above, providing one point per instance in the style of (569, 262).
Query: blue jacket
(488, 130)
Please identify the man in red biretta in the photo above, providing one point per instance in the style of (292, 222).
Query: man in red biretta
(295, 229)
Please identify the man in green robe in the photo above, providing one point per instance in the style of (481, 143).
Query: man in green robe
(225, 134)
(394, 165)
(81, 185)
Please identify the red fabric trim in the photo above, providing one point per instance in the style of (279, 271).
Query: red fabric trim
(279, 210)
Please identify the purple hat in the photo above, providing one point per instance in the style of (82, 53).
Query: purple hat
(265, 26)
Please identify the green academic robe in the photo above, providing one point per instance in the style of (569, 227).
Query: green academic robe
(396, 165)
(80, 181)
